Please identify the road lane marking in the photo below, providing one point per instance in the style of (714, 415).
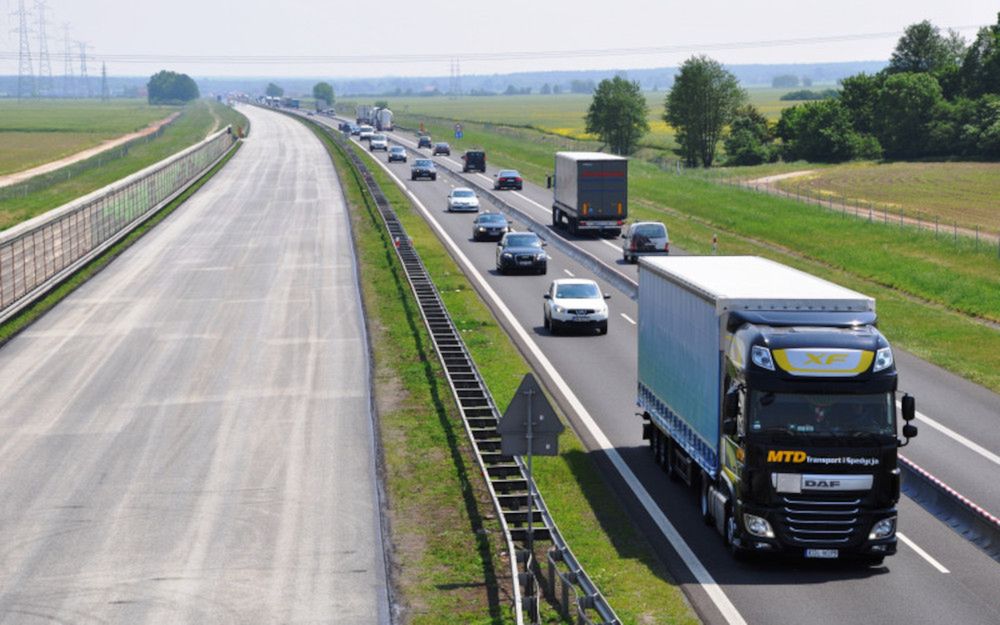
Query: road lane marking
(569, 273)
(952, 434)
(920, 552)
(627, 318)
(712, 588)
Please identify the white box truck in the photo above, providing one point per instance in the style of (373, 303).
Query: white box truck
(772, 392)
(590, 192)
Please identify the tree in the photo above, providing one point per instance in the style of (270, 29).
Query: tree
(617, 114)
(785, 81)
(980, 71)
(546, 89)
(906, 106)
(581, 86)
(859, 95)
(171, 88)
(323, 92)
(274, 90)
(701, 102)
(510, 90)
(749, 139)
(821, 131)
(807, 82)
(381, 104)
(922, 48)
(556, 89)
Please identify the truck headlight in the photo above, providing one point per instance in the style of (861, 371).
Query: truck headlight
(883, 359)
(757, 526)
(883, 529)
(761, 356)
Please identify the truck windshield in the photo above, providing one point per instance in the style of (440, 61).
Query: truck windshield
(821, 414)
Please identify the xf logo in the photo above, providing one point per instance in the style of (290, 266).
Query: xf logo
(824, 359)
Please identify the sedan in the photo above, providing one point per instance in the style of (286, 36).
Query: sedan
(397, 153)
(423, 168)
(441, 148)
(489, 226)
(508, 179)
(463, 199)
(424, 141)
(575, 303)
(521, 251)
(643, 238)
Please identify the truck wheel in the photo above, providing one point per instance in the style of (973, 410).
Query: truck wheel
(706, 511)
(573, 226)
(671, 455)
(736, 551)
(555, 218)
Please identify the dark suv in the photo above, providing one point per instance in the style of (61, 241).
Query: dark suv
(424, 141)
(441, 148)
(521, 250)
(423, 168)
(474, 160)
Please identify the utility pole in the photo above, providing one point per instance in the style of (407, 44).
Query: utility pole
(25, 75)
(67, 63)
(44, 62)
(83, 69)
(105, 94)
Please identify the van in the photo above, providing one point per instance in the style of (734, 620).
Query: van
(474, 160)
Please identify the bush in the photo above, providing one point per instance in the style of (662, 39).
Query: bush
(171, 88)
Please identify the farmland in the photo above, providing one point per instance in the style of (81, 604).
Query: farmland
(37, 132)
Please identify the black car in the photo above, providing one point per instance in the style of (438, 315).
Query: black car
(397, 153)
(474, 160)
(521, 250)
(424, 141)
(508, 179)
(489, 226)
(441, 148)
(423, 168)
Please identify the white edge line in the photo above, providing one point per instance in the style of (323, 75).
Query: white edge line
(920, 552)
(627, 318)
(952, 434)
(705, 579)
(569, 273)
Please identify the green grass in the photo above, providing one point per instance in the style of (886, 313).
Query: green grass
(192, 126)
(35, 132)
(30, 314)
(964, 193)
(589, 514)
(447, 559)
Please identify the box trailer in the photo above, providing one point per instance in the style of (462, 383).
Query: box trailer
(590, 192)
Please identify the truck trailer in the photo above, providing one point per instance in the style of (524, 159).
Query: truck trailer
(590, 192)
(383, 119)
(773, 393)
(364, 114)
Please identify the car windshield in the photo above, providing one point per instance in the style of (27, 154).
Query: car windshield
(578, 291)
(492, 218)
(508, 173)
(423, 162)
(821, 414)
(524, 240)
(650, 231)
(396, 149)
(462, 193)
(378, 137)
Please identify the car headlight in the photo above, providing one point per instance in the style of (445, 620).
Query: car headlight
(542, 256)
(883, 359)
(883, 529)
(761, 356)
(559, 309)
(757, 526)
(505, 255)
(482, 229)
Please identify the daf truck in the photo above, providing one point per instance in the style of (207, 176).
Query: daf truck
(590, 192)
(773, 393)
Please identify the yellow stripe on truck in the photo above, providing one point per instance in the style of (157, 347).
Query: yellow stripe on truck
(824, 362)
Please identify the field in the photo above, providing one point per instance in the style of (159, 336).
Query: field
(39, 131)
(964, 193)
(196, 121)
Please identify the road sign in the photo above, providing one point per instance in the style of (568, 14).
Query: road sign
(458, 131)
(541, 431)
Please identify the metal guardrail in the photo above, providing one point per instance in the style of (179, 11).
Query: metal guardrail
(564, 580)
(39, 253)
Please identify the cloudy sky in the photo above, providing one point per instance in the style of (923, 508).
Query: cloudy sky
(419, 37)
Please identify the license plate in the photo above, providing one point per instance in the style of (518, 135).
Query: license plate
(828, 554)
(580, 317)
(524, 262)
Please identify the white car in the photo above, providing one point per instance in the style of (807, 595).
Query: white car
(575, 303)
(463, 199)
(366, 132)
(378, 142)
(644, 238)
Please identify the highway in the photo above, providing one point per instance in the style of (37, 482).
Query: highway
(937, 576)
(188, 437)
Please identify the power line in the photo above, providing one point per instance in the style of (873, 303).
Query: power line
(44, 63)
(25, 74)
(67, 63)
(83, 68)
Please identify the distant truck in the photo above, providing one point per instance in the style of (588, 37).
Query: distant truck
(773, 393)
(590, 192)
(383, 119)
(364, 113)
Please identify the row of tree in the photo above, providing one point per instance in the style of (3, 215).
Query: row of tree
(322, 92)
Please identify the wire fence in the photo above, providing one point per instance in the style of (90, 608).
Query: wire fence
(41, 251)
(950, 231)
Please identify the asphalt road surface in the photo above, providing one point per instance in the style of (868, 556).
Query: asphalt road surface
(937, 576)
(187, 438)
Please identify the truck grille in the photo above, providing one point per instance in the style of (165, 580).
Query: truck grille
(810, 521)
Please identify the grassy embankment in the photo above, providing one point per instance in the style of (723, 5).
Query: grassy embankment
(195, 122)
(932, 295)
(588, 513)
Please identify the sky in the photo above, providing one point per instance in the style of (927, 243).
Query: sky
(271, 37)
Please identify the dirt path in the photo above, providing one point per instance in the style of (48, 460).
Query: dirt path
(21, 176)
(785, 176)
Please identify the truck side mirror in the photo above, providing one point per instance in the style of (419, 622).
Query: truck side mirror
(548, 182)
(909, 407)
(909, 431)
(729, 427)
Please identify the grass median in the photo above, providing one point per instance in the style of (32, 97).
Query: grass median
(590, 515)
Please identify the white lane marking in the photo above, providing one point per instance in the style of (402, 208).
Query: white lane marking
(569, 273)
(453, 162)
(547, 211)
(920, 552)
(715, 592)
(485, 177)
(627, 318)
(952, 434)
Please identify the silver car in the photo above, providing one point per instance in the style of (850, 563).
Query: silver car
(378, 142)
(463, 199)
(644, 238)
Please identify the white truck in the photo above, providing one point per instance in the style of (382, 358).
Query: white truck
(383, 119)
